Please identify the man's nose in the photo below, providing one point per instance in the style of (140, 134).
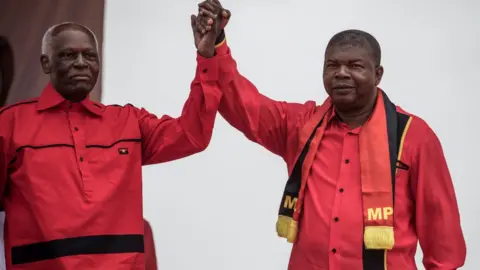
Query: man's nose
(80, 62)
(343, 72)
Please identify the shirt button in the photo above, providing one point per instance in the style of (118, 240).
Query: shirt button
(204, 70)
(335, 219)
(81, 159)
(347, 161)
(76, 128)
(341, 190)
(334, 250)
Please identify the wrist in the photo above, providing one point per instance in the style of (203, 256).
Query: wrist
(207, 53)
(220, 38)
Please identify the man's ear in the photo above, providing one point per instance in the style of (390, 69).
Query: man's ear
(45, 62)
(378, 75)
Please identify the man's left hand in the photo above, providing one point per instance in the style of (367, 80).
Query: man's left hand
(209, 11)
(205, 28)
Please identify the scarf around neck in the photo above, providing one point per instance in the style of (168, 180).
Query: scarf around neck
(380, 145)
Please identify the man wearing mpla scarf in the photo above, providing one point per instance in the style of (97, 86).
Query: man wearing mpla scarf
(367, 180)
(71, 168)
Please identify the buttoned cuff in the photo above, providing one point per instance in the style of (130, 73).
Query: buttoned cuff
(207, 68)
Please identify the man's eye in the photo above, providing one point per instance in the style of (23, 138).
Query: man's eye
(67, 55)
(91, 55)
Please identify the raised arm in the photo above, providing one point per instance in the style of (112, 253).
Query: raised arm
(261, 119)
(437, 215)
(167, 138)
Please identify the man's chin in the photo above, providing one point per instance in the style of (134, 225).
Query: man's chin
(343, 101)
(85, 85)
(80, 91)
(82, 87)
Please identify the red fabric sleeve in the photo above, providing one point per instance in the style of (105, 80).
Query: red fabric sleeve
(261, 119)
(166, 138)
(437, 215)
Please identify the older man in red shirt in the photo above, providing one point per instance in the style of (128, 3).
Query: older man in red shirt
(367, 180)
(70, 168)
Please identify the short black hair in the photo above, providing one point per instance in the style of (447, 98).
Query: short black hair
(357, 37)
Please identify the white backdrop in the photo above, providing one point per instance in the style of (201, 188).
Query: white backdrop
(432, 68)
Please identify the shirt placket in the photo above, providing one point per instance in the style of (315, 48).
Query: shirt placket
(341, 190)
(76, 120)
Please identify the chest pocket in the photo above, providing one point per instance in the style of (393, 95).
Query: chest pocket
(121, 155)
(122, 149)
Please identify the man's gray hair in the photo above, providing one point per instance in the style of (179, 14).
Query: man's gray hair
(52, 32)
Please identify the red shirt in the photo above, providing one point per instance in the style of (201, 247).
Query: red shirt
(331, 225)
(71, 174)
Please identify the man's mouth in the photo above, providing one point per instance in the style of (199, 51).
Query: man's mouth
(80, 78)
(342, 89)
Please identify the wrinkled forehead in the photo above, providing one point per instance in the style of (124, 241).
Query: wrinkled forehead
(73, 39)
(349, 51)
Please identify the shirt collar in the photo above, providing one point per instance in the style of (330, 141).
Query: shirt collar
(51, 98)
(334, 117)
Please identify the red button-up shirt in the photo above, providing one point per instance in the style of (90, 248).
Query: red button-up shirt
(331, 225)
(71, 176)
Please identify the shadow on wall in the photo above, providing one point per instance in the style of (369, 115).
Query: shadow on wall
(6, 69)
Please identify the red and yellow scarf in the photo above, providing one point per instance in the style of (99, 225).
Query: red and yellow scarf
(381, 141)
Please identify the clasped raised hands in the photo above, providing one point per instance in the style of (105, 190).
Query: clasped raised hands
(208, 25)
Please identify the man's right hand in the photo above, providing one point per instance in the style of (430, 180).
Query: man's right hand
(212, 9)
(205, 41)
(209, 24)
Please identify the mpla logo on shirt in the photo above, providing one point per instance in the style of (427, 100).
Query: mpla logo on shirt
(123, 151)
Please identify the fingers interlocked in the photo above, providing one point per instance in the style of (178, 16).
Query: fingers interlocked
(211, 14)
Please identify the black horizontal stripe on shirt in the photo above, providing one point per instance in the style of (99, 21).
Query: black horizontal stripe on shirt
(84, 245)
(39, 147)
(44, 146)
(113, 144)
(72, 146)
